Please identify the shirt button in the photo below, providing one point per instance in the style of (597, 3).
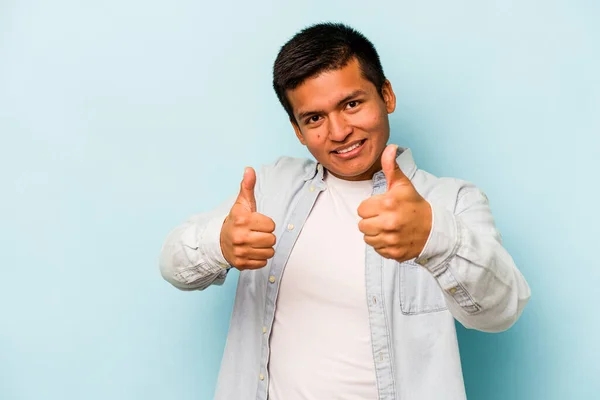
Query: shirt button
(453, 290)
(261, 377)
(272, 279)
(290, 227)
(312, 188)
(422, 261)
(264, 329)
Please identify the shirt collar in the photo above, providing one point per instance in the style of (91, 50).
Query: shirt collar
(404, 158)
(405, 161)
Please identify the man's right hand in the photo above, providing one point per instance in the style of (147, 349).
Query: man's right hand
(247, 237)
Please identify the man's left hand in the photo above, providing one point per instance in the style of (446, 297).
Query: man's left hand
(396, 223)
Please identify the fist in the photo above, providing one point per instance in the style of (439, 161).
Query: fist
(396, 223)
(247, 237)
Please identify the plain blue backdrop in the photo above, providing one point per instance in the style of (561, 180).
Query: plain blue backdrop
(118, 119)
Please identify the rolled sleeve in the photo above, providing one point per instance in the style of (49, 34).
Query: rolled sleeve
(191, 258)
(443, 240)
(479, 279)
(210, 243)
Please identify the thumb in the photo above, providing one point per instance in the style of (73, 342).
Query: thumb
(246, 196)
(391, 170)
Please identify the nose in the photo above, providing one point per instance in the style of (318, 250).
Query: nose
(339, 129)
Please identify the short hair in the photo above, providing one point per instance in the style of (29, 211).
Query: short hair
(320, 48)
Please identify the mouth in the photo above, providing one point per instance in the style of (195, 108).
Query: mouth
(350, 150)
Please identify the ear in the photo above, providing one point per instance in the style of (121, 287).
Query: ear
(389, 97)
(298, 132)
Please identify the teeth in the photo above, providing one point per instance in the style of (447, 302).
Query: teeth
(349, 148)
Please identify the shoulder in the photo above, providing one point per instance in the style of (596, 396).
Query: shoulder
(452, 192)
(286, 171)
(292, 164)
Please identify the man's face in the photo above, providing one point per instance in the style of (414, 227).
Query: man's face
(343, 120)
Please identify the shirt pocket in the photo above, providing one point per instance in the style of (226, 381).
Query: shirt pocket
(419, 292)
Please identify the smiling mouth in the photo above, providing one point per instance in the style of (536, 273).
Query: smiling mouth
(350, 148)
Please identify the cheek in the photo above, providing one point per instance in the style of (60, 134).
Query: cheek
(316, 138)
(315, 143)
(370, 120)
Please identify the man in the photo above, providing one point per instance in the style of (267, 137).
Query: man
(353, 267)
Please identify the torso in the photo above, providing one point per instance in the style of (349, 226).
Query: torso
(320, 340)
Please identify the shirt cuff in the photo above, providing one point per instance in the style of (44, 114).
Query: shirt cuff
(210, 243)
(442, 242)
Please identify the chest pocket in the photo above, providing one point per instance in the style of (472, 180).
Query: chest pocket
(419, 292)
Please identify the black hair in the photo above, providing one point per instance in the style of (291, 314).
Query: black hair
(320, 48)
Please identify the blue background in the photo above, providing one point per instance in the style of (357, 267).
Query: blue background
(118, 119)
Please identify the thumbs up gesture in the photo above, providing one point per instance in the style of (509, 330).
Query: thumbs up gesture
(396, 223)
(247, 237)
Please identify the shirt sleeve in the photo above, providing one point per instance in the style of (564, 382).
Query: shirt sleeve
(191, 257)
(483, 288)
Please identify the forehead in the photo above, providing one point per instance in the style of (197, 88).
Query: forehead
(325, 90)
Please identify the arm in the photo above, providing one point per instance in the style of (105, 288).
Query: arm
(199, 253)
(461, 247)
(191, 257)
(484, 290)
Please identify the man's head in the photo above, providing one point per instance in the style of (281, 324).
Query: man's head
(330, 81)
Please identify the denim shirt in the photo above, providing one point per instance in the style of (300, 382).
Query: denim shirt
(463, 273)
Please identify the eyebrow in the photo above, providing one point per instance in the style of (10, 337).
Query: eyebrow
(356, 93)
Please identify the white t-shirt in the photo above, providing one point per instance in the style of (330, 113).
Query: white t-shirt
(320, 339)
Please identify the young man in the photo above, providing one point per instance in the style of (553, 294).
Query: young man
(353, 267)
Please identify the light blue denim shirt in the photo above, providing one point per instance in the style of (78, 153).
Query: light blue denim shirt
(463, 273)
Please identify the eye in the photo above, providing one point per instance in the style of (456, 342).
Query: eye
(352, 104)
(313, 119)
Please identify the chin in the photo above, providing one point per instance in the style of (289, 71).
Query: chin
(351, 174)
